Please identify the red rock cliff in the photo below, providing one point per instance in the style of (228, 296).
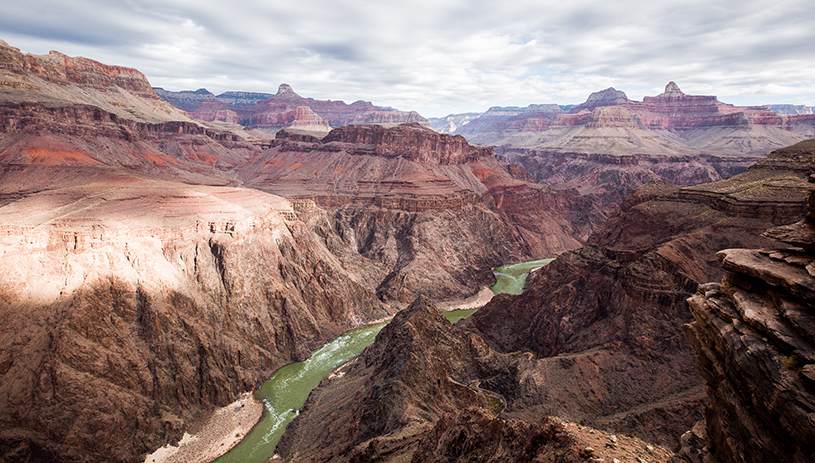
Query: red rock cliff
(60, 68)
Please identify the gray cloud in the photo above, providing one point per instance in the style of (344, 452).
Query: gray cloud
(440, 56)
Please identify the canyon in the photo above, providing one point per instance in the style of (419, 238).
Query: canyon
(159, 260)
(595, 338)
(148, 278)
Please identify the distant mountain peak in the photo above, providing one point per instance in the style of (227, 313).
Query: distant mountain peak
(609, 94)
(285, 91)
(672, 90)
(607, 97)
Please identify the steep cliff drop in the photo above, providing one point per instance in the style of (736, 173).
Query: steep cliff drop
(134, 306)
(606, 318)
(141, 288)
(754, 337)
(436, 212)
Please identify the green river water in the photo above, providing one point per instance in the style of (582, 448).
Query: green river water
(289, 386)
(511, 278)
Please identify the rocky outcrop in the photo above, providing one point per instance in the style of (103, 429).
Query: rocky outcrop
(427, 391)
(416, 371)
(437, 212)
(754, 337)
(306, 119)
(610, 145)
(476, 435)
(137, 305)
(61, 69)
(410, 141)
(607, 97)
(415, 395)
(610, 313)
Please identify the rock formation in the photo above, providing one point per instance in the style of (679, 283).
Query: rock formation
(416, 395)
(754, 337)
(272, 112)
(130, 300)
(135, 305)
(436, 211)
(144, 284)
(618, 304)
(451, 123)
(610, 145)
(306, 119)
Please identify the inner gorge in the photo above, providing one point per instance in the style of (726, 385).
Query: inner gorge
(288, 388)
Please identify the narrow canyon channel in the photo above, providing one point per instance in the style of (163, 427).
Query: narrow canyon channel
(288, 388)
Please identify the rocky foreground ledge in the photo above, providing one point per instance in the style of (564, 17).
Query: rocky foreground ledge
(754, 335)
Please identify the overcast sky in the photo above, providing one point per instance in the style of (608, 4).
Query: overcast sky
(440, 56)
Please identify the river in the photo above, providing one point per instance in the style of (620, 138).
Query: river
(288, 388)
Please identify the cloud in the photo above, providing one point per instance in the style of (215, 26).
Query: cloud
(443, 55)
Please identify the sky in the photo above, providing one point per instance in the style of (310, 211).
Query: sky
(440, 56)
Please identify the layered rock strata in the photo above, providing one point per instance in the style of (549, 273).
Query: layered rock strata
(610, 145)
(135, 305)
(754, 336)
(611, 312)
(61, 69)
(435, 210)
(272, 112)
(306, 119)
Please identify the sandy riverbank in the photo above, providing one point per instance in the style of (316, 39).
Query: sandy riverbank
(224, 429)
(475, 301)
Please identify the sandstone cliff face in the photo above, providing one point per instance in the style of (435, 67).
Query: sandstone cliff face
(754, 336)
(136, 305)
(61, 69)
(436, 212)
(611, 312)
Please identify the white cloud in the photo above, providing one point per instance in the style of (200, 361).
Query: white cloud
(442, 55)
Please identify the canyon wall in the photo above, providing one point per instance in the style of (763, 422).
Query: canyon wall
(438, 212)
(754, 337)
(414, 395)
(618, 304)
(137, 305)
(610, 145)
